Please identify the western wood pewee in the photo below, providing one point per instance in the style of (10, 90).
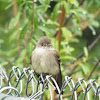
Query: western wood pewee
(46, 60)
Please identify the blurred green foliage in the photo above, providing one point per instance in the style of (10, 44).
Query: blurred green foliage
(22, 26)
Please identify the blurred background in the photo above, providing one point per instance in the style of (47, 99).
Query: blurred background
(72, 25)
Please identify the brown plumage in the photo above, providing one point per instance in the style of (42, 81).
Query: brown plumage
(46, 59)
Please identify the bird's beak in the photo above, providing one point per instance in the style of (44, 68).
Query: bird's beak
(49, 45)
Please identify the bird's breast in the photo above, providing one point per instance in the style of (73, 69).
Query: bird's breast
(43, 61)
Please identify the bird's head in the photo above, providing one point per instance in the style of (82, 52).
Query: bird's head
(44, 42)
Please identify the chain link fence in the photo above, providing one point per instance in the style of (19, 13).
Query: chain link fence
(25, 83)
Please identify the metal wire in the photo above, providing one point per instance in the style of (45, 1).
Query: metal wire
(35, 87)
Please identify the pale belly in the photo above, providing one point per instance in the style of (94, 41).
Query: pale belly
(44, 62)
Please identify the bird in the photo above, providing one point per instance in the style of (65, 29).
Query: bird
(45, 59)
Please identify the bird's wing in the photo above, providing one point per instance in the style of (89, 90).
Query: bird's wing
(58, 77)
(57, 56)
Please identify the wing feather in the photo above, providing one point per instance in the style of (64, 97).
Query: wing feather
(58, 77)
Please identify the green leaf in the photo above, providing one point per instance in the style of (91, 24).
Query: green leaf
(67, 33)
(13, 52)
(77, 15)
(41, 1)
(35, 21)
(86, 51)
(99, 80)
(47, 2)
(14, 21)
(67, 57)
(44, 29)
(74, 2)
(56, 11)
(12, 37)
(41, 7)
(86, 67)
(67, 50)
(4, 63)
(55, 43)
(9, 6)
(66, 6)
(92, 29)
(52, 23)
(95, 23)
(23, 31)
(1, 41)
(75, 40)
(41, 17)
(30, 48)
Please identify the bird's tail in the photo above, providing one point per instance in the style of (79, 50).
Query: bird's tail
(58, 79)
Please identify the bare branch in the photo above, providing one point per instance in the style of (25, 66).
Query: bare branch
(82, 54)
(93, 69)
(61, 23)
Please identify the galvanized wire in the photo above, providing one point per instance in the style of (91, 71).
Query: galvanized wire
(39, 85)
